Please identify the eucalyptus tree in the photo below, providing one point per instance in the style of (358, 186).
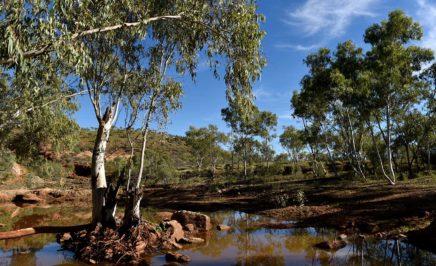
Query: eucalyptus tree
(429, 76)
(267, 152)
(412, 133)
(392, 63)
(96, 36)
(267, 122)
(348, 97)
(292, 141)
(311, 105)
(242, 128)
(247, 127)
(30, 119)
(151, 95)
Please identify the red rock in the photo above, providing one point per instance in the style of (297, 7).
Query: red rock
(189, 227)
(223, 227)
(27, 197)
(164, 215)
(170, 245)
(177, 230)
(200, 221)
(65, 237)
(192, 240)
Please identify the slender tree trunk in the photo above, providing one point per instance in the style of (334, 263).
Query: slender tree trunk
(199, 165)
(245, 159)
(98, 173)
(213, 166)
(312, 151)
(132, 213)
(428, 157)
(409, 161)
(378, 155)
(356, 154)
(233, 160)
(388, 129)
(332, 160)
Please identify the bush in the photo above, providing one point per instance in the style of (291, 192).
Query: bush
(7, 159)
(299, 198)
(273, 169)
(281, 200)
(47, 169)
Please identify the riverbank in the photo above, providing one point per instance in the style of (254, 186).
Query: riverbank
(369, 207)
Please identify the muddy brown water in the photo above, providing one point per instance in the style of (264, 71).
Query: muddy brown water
(245, 244)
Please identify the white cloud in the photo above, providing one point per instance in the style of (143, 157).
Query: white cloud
(265, 95)
(330, 17)
(426, 13)
(286, 115)
(297, 47)
(262, 93)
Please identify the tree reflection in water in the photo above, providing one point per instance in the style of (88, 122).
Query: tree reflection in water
(245, 244)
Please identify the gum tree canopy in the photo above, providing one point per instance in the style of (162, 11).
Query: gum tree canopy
(103, 44)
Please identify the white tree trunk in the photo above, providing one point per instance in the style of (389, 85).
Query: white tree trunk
(98, 173)
(389, 144)
(378, 155)
(356, 154)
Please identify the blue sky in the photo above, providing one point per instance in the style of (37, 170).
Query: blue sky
(294, 29)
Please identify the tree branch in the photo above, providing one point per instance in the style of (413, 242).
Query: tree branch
(47, 47)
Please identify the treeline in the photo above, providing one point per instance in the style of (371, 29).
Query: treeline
(373, 109)
(365, 111)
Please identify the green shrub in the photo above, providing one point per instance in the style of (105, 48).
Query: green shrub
(7, 159)
(273, 169)
(47, 169)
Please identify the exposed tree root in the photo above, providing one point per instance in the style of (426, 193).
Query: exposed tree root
(106, 244)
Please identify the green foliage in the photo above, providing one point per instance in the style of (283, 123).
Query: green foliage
(7, 159)
(205, 145)
(159, 168)
(46, 169)
(292, 141)
(271, 170)
(356, 106)
(299, 198)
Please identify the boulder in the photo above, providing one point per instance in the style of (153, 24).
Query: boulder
(192, 240)
(27, 197)
(177, 232)
(331, 245)
(342, 237)
(200, 221)
(166, 216)
(189, 227)
(170, 245)
(177, 257)
(65, 237)
(223, 227)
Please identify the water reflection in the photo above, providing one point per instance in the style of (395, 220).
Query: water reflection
(38, 249)
(245, 244)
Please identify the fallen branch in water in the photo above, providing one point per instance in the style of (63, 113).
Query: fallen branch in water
(42, 230)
